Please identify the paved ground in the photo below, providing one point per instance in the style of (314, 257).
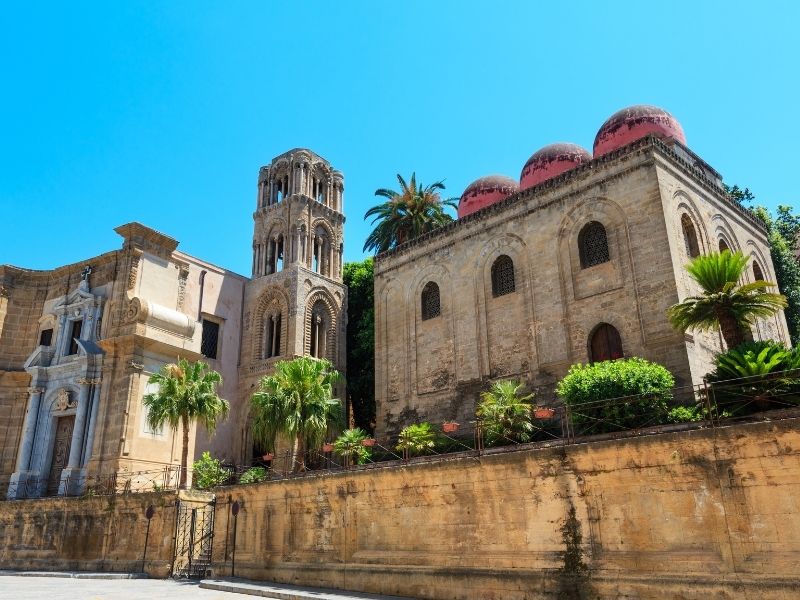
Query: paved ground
(58, 588)
(79, 587)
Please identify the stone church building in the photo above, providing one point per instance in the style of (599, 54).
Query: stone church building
(576, 261)
(78, 343)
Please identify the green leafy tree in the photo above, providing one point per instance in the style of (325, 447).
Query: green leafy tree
(783, 232)
(724, 302)
(208, 472)
(739, 195)
(349, 445)
(407, 214)
(296, 401)
(417, 438)
(187, 392)
(614, 395)
(505, 413)
(358, 277)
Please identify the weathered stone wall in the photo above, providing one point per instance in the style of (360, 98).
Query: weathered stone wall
(691, 515)
(88, 534)
(708, 513)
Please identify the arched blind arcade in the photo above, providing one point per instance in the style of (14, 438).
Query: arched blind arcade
(689, 237)
(593, 245)
(758, 274)
(503, 276)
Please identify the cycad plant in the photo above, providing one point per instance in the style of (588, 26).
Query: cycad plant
(417, 438)
(505, 413)
(407, 214)
(724, 302)
(187, 392)
(350, 447)
(296, 401)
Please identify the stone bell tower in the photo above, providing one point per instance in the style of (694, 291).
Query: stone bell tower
(295, 303)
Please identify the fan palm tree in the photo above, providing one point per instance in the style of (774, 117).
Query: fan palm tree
(724, 303)
(296, 401)
(349, 445)
(187, 392)
(505, 413)
(407, 214)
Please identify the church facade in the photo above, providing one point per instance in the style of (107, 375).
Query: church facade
(576, 261)
(78, 343)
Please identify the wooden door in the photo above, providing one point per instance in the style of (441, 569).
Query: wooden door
(61, 446)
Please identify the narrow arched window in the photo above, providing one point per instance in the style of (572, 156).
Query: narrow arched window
(758, 274)
(723, 245)
(273, 337)
(593, 245)
(689, 237)
(431, 304)
(318, 328)
(605, 343)
(503, 276)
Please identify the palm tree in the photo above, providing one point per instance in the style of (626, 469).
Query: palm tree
(724, 302)
(187, 392)
(505, 413)
(349, 445)
(407, 214)
(296, 401)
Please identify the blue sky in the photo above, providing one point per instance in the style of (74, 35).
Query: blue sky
(162, 112)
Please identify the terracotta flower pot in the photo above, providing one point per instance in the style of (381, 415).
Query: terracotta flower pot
(544, 413)
(369, 442)
(450, 427)
(327, 447)
(268, 456)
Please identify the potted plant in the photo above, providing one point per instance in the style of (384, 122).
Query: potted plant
(327, 447)
(450, 427)
(267, 457)
(368, 442)
(543, 412)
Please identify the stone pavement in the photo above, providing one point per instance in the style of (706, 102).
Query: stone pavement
(121, 586)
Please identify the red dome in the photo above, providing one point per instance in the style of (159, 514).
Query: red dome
(633, 123)
(485, 191)
(550, 161)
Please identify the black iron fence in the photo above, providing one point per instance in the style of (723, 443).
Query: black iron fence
(771, 396)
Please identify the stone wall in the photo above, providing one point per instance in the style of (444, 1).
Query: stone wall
(696, 514)
(88, 534)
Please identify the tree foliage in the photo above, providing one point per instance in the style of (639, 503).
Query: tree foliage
(358, 277)
(187, 392)
(505, 413)
(407, 214)
(208, 472)
(724, 302)
(296, 401)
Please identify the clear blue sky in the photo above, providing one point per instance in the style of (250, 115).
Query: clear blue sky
(162, 112)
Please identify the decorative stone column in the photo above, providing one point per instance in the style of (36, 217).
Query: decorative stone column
(92, 425)
(18, 482)
(72, 477)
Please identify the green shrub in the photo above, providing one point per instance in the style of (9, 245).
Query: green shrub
(253, 475)
(417, 438)
(685, 414)
(348, 445)
(640, 391)
(209, 472)
(505, 413)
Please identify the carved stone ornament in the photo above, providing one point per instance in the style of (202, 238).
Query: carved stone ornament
(133, 272)
(63, 402)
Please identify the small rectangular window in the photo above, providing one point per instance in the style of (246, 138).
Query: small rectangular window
(75, 335)
(210, 342)
(46, 337)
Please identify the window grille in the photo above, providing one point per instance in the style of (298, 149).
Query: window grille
(593, 245)
(431, 305)
(758, 274)
(503, 276)
(689, 237)
(209, 344)
(605, 343)
(46, 337)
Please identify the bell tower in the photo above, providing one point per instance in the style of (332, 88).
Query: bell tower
(295, 303)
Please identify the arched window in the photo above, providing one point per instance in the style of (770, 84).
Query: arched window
(758, 274)
(723, 245)
(605, 343)
(593, 245)
(503, 276)
(273, 338)
(689, 237)
(431, 305)
(318, 344)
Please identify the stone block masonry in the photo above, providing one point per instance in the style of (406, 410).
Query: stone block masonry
(694, 514)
